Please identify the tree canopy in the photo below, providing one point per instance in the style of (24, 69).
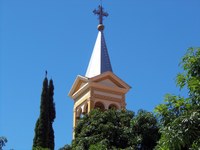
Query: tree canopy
(179, 116)
(116, 129)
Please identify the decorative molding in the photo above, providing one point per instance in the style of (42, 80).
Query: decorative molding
(107, 98)
(108, 91)
(117, 96)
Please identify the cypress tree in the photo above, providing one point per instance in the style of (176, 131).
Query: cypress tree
(44, 133)
(52, 115)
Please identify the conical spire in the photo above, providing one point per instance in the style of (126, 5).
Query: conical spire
(99, 61)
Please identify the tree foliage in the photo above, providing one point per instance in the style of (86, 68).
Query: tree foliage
(66, 147)
(145, 128)
(3, 141)
(190, 77)
(179, 117)
(52, 115)
(44, 133)
(40, 148)
(114, 129)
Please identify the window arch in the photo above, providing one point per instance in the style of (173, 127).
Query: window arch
(112, 106)
(99, 105)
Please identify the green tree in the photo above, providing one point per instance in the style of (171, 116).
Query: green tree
(66, 147)
(145, 128)
(40, 148)
(40, 139)
(179, 117)
(52, 115)
(44, 134)
(115, 129)
(3, 141)
(110, 128)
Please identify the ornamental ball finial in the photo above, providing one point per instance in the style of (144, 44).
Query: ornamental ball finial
(100, 27)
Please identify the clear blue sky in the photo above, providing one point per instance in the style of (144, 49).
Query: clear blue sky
(145, 39)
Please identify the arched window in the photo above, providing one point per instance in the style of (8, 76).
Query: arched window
(79, 112)
(99, 105)
(112, 106)
(85, 108)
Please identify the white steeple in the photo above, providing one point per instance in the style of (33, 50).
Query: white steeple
(99, 61)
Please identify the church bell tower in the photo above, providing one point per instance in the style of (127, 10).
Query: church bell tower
(100, 87)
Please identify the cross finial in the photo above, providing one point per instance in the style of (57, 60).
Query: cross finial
(100, 13)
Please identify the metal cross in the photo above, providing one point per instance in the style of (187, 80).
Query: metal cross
(100, 13)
